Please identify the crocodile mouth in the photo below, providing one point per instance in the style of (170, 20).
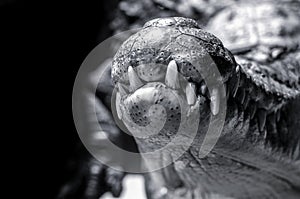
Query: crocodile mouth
(164, 74)
(156, 104)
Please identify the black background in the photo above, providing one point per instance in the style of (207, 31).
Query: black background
(43, 45)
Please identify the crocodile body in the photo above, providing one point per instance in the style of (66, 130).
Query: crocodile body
(257, 155)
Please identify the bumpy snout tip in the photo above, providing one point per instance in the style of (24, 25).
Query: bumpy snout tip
(161, 73)
(148, 108)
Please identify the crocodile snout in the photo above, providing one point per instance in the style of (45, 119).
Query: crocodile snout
(152, 107)
(160, 74)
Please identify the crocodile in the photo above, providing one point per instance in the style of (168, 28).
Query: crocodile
(257, 155)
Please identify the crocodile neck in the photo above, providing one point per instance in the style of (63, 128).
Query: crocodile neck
(258, 109)
(253, 147)
(246, 157)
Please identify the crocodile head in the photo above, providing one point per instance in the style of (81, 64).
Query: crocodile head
(161, 74)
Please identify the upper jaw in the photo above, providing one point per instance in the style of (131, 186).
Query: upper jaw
(171, 79)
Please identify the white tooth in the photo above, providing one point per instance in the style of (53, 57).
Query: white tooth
(237, 69)
(122, 89)
(227, 91)
(134, 80)
(190, 94)
(194, 107)
(118, 100)
(237, 84)
(215, 101)
(172, 75)
(203, 89)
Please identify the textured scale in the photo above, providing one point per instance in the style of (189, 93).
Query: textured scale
(280, 77)
(257, 154)
(266, 44)
(172, 42)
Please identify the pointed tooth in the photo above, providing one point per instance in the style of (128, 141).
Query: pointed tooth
(278, 115)
(253, 111)
(172, 75)
(261, 116)
(246, 101)
(118, 100)
(237, 83)
(134, 80)
(122, 89)
(215, 101)
(203, 89)
(194, 107)
(265, 134)
(237, 69)
(241, 95)
(235, 91)
(190, 94)
(227, 91)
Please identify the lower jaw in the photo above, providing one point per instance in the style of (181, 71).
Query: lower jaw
(154, 112)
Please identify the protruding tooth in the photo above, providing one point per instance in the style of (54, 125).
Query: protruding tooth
(236, 86)
(215, 101)
(190, 94)
(265, 134)
(194, 107)
(246, 101)
(261, 116)
(242, 95)
(297, 152)
(118, 100)
(134, 80)
(278, 115)
(172, 75)
(253, 111)
(237, 69)
(227, 91)
(122, 89)
(203, 89)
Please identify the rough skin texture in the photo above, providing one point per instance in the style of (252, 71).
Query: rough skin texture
(257, 155)
(175, 39)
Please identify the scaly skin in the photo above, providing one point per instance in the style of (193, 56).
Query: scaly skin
(216, 16)
(257, 155)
